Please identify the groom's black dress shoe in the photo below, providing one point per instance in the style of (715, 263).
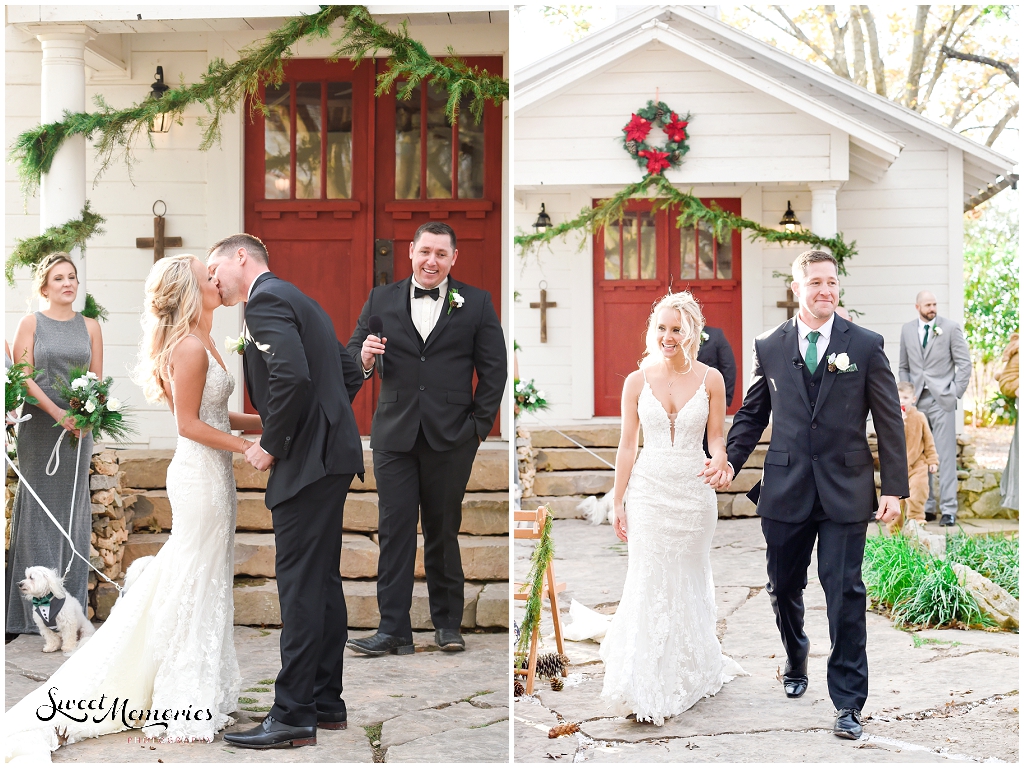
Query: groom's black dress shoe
(848, 724)
(947, 520)
(449, 640)
(379, 644)
(794, 680)
(332, 721)
(271, 733)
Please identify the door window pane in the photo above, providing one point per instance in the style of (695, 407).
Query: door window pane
(471, 153)
(725, 259)
(308, 122)
(687, 253)
(648, 247)
(439, 145)
(277, 143)
(611, 252)
(706, 251)
(339, 141)
(407, 146)
(630, 262)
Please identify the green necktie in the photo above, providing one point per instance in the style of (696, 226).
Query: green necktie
(924, 344)
(812, 351)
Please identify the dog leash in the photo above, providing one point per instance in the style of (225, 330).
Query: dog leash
(75, 552)
(55, 460)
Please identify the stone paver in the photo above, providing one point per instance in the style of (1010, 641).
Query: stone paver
(448, 707)
(949, 695)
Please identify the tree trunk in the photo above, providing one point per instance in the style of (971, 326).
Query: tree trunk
(860, 71)
(917, 54)
(838, 42)
(877, 67)
(998, 128)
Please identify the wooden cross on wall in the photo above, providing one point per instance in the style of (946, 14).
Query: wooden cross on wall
(543, 305)
(158, 242)
(789, 304)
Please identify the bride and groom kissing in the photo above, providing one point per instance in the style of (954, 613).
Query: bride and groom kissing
(167, 645)
(815, 377)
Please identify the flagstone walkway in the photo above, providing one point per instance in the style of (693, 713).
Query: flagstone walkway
(935, 696)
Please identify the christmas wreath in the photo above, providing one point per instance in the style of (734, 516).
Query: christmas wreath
(656, 159)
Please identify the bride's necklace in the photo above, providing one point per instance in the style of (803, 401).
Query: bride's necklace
(679, 374)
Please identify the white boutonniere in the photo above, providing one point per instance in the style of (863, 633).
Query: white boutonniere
(841, 363)
(455, 299)
(236, 346)
(936, 331)
(704, 336)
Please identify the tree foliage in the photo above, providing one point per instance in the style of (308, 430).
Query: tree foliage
(991, 281)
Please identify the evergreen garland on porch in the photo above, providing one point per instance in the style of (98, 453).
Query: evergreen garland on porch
(224, 86)
(539, 562)
(663, 194)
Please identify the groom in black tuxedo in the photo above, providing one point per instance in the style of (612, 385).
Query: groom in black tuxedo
(432, 333)
(817, 376)
(302, 382)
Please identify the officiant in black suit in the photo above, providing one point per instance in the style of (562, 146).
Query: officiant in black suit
(302, 382)
(433, 333)
(716, 352)
(817, 376)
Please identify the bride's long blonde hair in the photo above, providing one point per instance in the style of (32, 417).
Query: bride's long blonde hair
(173, 303)
(691, 321)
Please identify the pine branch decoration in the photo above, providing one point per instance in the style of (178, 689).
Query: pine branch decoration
(540, 560)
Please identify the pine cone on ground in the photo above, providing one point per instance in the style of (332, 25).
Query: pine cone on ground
(549, 665)
(556, 684)
(518, 689)
(565, 663)
(563, 730)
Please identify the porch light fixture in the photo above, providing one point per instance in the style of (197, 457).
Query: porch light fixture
(161, 123)
(789, 220)
(543, 222)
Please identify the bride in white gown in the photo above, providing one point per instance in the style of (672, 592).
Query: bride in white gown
(164, 660)
(661, 653)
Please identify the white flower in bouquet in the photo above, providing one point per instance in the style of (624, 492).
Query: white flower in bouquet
(540, 393)
(80, 383)
(93, 376)
(113, 404)
(90, 406)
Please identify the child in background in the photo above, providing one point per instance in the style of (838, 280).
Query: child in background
(922, 458)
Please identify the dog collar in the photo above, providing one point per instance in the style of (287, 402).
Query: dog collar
(44, 600)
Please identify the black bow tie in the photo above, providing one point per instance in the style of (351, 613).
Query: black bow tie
(433, 293)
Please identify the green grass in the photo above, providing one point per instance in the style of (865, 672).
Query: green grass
(917, 589)
(269, 681)
(920, 642)
(257, 709)
(246, 700)
(256, 690)
(995, 556)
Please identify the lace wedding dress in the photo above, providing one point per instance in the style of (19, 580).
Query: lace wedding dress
(166, 653)
(661, 653)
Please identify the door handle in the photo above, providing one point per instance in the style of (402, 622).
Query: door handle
(383, 262)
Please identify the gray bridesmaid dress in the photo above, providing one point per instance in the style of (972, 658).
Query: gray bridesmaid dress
(59, 346)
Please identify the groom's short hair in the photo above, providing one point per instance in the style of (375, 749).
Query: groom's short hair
(435, 228)
(252, 244)
(809, 257)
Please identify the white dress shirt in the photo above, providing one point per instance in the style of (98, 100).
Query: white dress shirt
(822, 343)
(424, 310)
(921, 325)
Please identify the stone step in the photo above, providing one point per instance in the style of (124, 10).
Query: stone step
(147, 469)
(483, 513)
(574, 482)
(484, 558)
(595, 435)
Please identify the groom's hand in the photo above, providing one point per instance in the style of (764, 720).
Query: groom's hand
(888, 509)
(259, 458)
(372, 346)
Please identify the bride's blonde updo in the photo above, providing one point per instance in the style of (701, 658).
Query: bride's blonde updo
(172, 305)
(691, 322)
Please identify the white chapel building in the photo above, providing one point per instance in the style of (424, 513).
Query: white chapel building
(767, 130)
(334, 180)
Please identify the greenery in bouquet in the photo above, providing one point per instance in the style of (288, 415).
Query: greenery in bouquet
(16, 386)
(92, 407)
(528, 397)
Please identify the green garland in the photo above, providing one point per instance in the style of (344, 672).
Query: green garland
(224, 86)
(663, 194)
(29, 251)
(539, 562)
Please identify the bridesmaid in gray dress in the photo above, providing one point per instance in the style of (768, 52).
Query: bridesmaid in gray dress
(54, 341)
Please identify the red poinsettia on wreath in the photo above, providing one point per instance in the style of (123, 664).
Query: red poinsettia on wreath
(656, 159)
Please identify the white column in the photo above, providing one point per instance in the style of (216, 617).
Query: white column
(62, 190)
(824, 220)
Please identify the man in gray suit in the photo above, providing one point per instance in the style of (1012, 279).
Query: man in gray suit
(935, 358)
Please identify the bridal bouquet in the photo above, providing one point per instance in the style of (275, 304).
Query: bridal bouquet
(92, 407)
(16, 386)
(528, 397)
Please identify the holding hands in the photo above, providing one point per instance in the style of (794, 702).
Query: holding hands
(717, 473)
(258, 457)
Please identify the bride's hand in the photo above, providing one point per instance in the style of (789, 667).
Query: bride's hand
(716, 472)
(620, 520)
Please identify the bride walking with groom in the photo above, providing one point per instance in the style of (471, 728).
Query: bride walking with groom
(816, 378)
(165, 661)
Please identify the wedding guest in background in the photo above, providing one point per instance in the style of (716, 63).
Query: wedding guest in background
(53, 340)
(922, 460)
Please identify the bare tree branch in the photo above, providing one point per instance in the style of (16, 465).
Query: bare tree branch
(1006, 67)
(917, 54)
(998, 128)
(838, 42)
(940, 60)
(877, 67)
(860, 69)
(794, 30)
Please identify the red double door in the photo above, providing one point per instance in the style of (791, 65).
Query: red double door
(636, 263)
(337, 181)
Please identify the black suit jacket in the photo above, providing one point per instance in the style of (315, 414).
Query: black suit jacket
(430, 384)
(823, 446)
(296, 385)
(717, 353)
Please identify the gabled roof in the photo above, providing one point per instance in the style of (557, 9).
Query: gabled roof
(779, 74)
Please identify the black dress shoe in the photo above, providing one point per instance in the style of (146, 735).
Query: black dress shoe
(270, 733)
(929, 517)
(947, 520)
(848, 724)
(794, 680)
(379, 644)
(332, 721)
(449, 640)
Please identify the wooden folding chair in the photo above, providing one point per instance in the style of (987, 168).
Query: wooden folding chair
(549, 589)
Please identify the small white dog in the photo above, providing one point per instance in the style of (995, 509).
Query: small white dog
(58, 615)
(597, 510)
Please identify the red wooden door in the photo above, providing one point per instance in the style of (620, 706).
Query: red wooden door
(322, 190)
(635, 265)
